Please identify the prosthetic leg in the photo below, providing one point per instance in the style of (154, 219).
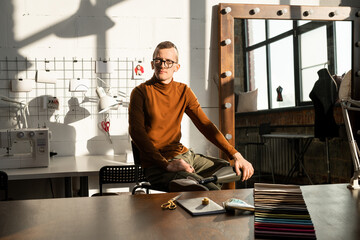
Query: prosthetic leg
(223, 175)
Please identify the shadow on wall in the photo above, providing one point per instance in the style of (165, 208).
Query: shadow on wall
(112, 142)
(101, 145)
(76, 112)
(68, 28)
(63, 136)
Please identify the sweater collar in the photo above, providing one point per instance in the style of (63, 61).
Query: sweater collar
(158, 84)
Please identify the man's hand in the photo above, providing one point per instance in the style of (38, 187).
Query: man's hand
(245, 166)
(177, 165)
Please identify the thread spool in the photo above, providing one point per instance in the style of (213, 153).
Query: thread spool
(205, 201)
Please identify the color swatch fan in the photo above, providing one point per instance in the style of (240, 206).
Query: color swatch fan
(281, 212)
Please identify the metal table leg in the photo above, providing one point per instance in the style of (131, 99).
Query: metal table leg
(298, 161)
(68, 187)
(84, 187)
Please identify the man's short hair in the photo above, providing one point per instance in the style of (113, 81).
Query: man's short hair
(166, 45)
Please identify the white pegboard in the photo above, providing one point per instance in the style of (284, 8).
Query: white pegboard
(71, 104)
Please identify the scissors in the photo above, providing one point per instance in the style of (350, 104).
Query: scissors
(106, 127)
(170, 204)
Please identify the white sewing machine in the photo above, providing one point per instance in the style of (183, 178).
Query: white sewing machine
(23, 148)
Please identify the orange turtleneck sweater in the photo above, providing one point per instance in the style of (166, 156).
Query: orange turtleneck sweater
(155, 114)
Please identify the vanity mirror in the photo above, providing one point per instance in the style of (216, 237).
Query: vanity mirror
(307, 18)
(296, 23)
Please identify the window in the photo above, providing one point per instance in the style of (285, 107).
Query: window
(282, 57)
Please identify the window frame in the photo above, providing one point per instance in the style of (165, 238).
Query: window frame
(295, 32)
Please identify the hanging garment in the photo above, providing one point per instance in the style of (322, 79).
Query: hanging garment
(324, 95)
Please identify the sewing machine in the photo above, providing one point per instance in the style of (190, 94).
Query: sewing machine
(23, 148)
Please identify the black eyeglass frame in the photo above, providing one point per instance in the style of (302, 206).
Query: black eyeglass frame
(167, 63)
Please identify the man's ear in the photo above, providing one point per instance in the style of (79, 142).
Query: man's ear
(177, 67)
(152, 65)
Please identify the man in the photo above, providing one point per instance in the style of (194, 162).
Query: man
(155, 112)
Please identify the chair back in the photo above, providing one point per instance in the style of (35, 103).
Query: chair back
(117, 174)
(136, 154)
(143, 182)
(4, 184)
(137, 161)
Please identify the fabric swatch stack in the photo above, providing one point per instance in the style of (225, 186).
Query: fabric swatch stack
(281, 212)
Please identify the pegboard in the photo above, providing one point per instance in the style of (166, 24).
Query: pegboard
(61, 71)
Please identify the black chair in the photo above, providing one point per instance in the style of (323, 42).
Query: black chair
(142, 182)
(4, 185)
(126, 174)
(117, 174)
(260, 147)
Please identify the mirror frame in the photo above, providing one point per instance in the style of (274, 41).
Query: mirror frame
(229, 11)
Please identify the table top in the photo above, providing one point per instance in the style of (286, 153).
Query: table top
(334, 210)
(288, 135)
(70, 166)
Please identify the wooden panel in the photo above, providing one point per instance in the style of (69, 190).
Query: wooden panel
(226, 83)
(226, 86)
(264, 11)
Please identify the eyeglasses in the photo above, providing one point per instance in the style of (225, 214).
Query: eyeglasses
(167, 63)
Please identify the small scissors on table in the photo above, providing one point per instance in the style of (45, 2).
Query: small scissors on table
(106, 127)
(171, 205)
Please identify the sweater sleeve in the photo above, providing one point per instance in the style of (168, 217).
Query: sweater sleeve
(205, 126)
(138, 132)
